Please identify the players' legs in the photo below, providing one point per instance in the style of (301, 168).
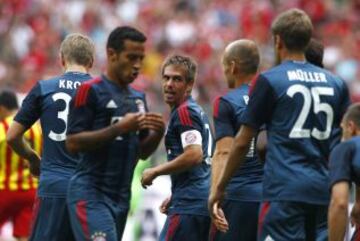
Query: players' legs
(51, 220)
(121, 217)
(92, 219)
(243, 221)
(321, 222)
(179, 227)
(281, 221)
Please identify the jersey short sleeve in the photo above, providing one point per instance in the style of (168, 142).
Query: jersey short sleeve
(346, 102)
(223, 119)
(82, 110)
(261, 104)
(188, 122)
(30, 110)
(340, 162)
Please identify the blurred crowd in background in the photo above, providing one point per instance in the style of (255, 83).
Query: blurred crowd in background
(31, 32)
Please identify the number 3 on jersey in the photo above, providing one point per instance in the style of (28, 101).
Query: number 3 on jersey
(309, 95)
(62, 115)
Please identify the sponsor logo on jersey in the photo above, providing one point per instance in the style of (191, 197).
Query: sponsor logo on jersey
(111, 105)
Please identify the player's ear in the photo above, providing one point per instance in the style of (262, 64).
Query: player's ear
(62, 60)
(232, 67)
(112, 54)
(278, 43)
(189, 86)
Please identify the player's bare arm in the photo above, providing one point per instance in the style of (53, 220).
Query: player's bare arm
(192, 156)
(355, 212)
(15, 138)
(154, 122)
(338, 211)
(237, 155)
(90, 140)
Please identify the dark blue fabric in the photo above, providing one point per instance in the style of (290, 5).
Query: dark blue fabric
(246, 184)
(185, 227)
(49, 101)
(105, 172)
(243, 221)
(52, 221)
(302, 106)
(345, 162)
(190, 188)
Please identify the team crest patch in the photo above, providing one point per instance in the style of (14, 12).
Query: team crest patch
(190, 138)
(140, 105)
(98, 236)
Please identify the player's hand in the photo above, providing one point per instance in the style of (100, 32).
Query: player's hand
(154, 121)
(355, 215)
(147, 177)
(165, 205)
(216, 212)
(130, 122)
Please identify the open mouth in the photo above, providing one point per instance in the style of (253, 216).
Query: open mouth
(135, 74)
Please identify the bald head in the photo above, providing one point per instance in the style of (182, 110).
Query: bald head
(245, 54)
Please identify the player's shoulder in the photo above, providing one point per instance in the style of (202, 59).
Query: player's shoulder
(136, 92)
(348, 145)
(187, 112)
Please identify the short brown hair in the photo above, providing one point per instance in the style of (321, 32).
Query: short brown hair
(181, 60)
(353, 114)
(314, 53)
(294, 28)
(78, 49)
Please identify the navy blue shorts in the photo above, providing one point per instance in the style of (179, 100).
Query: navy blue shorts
(97, 220)
(296, 221)
(51, 220)
(185, 227)
(243, 220)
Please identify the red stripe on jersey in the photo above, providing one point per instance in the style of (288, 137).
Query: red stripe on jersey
(181, 116)
(82, 94)
(173, 225)
(187, 116)
(81, 214)
(216, 107)
(263, 212)
(253, 83)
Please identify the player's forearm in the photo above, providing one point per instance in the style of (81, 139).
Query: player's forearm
(90, 140)
(23, 149)
(217, 166)
(182, 163)
(237, 155)
(149, 144)
(338, 219)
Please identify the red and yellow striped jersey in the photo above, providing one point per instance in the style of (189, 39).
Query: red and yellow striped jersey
(14, 171)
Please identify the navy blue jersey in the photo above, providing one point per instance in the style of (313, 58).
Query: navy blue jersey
(345, 162)
(302, 106)
(193, 184)
(246, 184)
(105, 173)
(49, 100)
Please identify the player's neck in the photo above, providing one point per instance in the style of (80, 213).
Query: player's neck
(295, 56)
(243, 80)
(76, 68)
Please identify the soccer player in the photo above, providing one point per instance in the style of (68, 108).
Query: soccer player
(49, 101)
(240, 64)
(344, 169)
(301, 105)
(189, 146)
(108, 126)
(314, 54)
(17, 186)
